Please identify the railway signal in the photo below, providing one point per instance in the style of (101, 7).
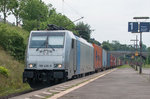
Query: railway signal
(136, 53)
(132, 57)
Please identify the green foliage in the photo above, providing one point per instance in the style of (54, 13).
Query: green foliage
(124, 66)
(146, 66)
(61, 20)
(148, 60)
(117, 46)
(30, 25)
(33, 12)
(3, 71)
(13, 41)
(13, 82)
(148, 49)
(16, 8)
(84, 30)
(144, 47)
(107, 46)
(5, 8)
(148, 57)
(95, 41)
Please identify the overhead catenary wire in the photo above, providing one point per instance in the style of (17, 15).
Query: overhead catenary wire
(71, 8)
(66, 6)
(62, 7)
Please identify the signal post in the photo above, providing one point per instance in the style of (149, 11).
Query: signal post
(136, 50)
(139, 27)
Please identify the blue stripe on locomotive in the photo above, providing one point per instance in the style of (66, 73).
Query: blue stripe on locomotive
(78, 56)
(108, 60)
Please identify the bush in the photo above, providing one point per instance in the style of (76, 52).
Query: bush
(13, 41)
(4, 71)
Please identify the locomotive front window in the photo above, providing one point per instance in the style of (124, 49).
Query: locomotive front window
(56, 41)
(38, 42)
(47, 40)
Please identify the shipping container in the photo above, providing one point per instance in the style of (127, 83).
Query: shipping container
(111, 60)
(114, 61)
(104, 58)
(97, 57)
(108, 60)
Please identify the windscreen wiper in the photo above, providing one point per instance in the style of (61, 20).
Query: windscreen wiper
(46, 47)
(40, 46)
(51, 47)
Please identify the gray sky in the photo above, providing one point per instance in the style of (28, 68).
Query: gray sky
(109, 18)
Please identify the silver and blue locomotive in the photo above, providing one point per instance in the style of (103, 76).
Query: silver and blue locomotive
(57, 55)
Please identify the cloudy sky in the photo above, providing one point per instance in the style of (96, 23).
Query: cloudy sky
(109, 18)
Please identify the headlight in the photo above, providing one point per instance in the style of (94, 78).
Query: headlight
(57, 65)
(32, 65)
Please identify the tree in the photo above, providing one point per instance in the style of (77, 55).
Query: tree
(59, 20)
(34, 11)
(5, 8)
(106, 45)
(143, 47)
(148, 49)
(116, 45)
(16, 8)
(148, 58)
(37, 15)
(84, 30)
(92, 40)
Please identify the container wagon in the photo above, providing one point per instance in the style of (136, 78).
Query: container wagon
(108, 61)
(104, 59)
(97, 57)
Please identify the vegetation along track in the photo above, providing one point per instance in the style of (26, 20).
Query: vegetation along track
(28, 91)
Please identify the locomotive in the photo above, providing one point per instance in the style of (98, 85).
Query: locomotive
(54, 55)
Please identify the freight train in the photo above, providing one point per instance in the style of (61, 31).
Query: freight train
(60, 55)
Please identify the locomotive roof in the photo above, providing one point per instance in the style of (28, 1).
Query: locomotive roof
(85, 42)
(50, 31)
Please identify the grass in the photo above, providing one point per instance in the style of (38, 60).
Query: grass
(127, 66)
(13, 83)
(124, 66)
(146, 66)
